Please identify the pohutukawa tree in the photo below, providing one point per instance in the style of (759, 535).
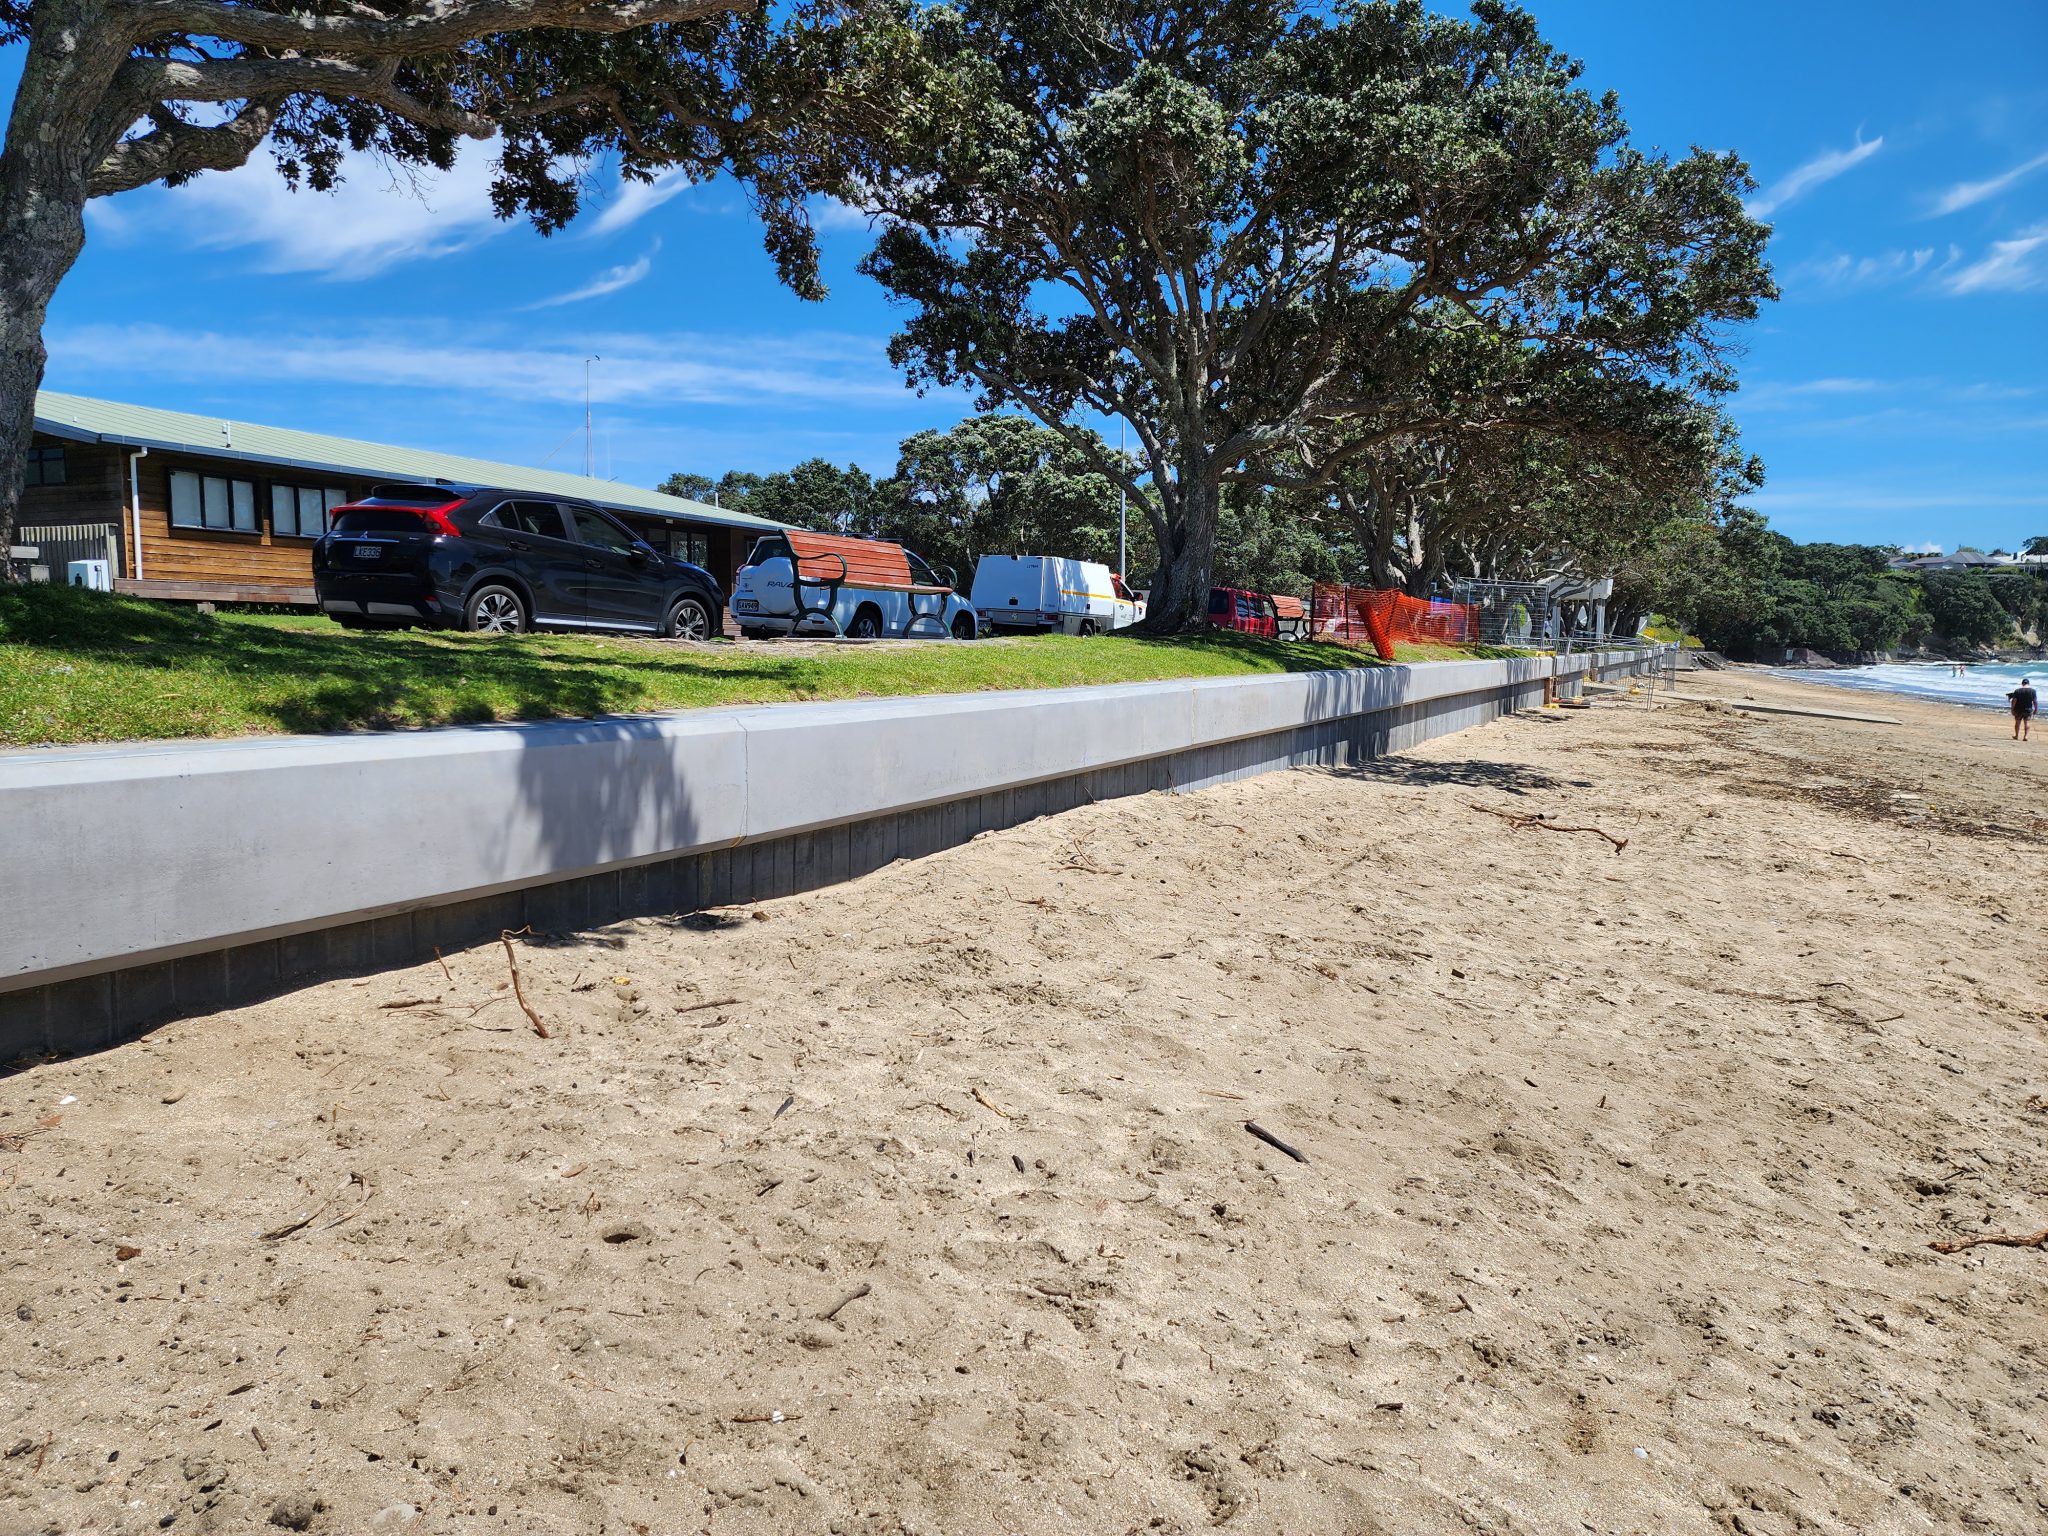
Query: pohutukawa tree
(1002, 485)
(1525, 470)
(118, 94)
(1244, 225)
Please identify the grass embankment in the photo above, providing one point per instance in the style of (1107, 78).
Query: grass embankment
(81, 666)
(1665, 633)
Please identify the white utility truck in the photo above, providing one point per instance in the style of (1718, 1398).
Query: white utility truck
(1042, 592)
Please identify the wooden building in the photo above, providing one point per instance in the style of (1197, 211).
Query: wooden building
(199, 508)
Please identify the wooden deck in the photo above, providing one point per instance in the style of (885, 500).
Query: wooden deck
(217, 592)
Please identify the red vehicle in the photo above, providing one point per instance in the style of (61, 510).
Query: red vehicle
(1249, 613)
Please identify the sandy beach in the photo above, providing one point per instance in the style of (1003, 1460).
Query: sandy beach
(927, 1204)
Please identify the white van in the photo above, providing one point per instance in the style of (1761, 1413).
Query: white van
(801, 583)
(1043, 592)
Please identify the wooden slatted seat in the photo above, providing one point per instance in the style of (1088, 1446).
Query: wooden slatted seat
(869, 563)
(1290, 618)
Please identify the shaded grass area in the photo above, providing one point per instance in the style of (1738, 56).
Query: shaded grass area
(78, 666)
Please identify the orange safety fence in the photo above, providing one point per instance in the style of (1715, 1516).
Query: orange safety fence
(1382, 617)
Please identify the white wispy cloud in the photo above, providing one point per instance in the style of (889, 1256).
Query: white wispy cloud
(1843, 272)
(368, 224)
(1838, 495)
(611, 280)
(1777, 392)
(1914, 406)
(2017, 265)
(822, 370)
(636, 199)
(1966, 194)
(829, 213)
(1821, 168)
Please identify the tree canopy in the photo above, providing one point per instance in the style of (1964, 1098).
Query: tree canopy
(1278, 240)
(991, 485)
(117, 94)
(1753, 593)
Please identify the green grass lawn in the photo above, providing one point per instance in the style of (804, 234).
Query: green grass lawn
(84, 666)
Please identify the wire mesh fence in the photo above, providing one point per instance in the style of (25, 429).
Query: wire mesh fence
(1559, 616)
(1521, 615)
(1382, 618)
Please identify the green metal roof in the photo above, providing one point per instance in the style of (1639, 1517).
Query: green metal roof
(83, 419)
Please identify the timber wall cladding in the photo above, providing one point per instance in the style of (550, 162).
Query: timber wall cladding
(95, 488)
(218, 555)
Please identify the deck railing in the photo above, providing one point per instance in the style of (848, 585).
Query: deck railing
(58, 544)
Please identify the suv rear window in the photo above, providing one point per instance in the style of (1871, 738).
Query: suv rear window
(366, 518)
(774, 547)
(409, 496)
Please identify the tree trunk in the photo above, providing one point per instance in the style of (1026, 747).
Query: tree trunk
(31, 266)
(1422, 551)
(45, 171)
(1180, 596)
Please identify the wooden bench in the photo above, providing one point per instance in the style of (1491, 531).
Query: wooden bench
(831, 561)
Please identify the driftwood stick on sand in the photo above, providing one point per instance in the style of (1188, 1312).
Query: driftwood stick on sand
(1993, 1239)
(277, 1234)
(723, 1002)
(845, 1301)
(1545, 824)
(990, 1104)
(1275, 1142)
(518, 989)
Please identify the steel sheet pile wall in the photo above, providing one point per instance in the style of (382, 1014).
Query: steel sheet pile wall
(145, 882)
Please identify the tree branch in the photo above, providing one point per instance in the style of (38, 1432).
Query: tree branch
(432, 26)
(172, 148)
(147, 82)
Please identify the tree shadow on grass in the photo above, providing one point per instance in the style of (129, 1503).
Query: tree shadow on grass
(318, 678)
(1276, 655)
(325, 680)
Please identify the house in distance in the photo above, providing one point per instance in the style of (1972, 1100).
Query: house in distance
(196, 508)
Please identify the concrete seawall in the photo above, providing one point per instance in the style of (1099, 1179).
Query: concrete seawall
(149, 882)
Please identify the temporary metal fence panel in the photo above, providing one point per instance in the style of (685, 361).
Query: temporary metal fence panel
(1520, 615)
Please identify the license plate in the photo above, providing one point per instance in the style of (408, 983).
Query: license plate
(746, 605)
(369, 552)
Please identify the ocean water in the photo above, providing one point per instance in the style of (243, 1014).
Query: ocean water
(1985, 685)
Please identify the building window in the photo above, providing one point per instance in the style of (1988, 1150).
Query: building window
(688, 544)
(212, 501)
(45, 467)
(300, 511)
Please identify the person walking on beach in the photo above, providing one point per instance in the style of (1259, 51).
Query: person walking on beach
(2024, 702)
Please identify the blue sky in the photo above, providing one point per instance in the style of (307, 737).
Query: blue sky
(1898, 391)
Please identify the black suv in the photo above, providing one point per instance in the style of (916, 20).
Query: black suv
(502, 561)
